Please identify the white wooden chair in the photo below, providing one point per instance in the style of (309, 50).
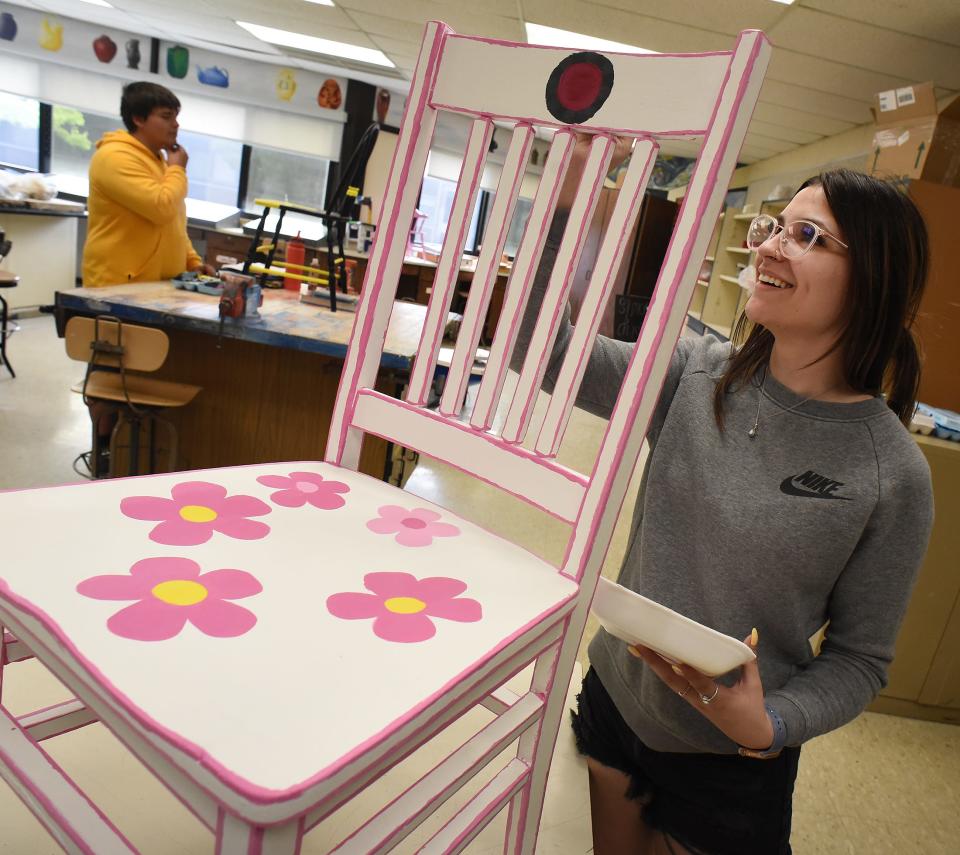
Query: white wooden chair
(270, 639)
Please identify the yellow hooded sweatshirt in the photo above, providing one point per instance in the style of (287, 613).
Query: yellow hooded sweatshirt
(137, 230)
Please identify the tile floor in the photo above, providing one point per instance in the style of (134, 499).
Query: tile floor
(879, 785)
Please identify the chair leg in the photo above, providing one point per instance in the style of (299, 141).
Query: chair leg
(236, 835)
(3, 337)
(135, 423)
(551, 676)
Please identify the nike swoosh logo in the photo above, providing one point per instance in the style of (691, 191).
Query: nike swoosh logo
(787, 486)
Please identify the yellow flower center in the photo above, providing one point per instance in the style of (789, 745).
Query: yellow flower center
(180, 592)
(197, 513)
(405, 605)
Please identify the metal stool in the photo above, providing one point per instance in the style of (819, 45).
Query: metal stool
(7, 280)
(112, 349)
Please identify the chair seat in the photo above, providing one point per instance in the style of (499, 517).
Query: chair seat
(146, 391)
(267, 623)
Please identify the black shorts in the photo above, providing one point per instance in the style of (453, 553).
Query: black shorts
(714, 804)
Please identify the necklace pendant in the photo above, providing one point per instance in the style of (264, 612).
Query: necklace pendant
(752, 433)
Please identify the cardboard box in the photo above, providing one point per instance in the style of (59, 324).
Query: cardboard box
(912, 140)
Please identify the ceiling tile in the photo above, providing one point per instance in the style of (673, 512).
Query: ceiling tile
(788, 116)
(627, 27)
(821, 103)
(781, 132)
(938, 20)
(861, 44)
(721, 16)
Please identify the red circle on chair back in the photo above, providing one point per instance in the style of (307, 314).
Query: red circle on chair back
(579, 86)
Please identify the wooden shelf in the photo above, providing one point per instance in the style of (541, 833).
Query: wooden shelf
(731, 279)
(694, 314)
(710, 258)
(703, 282)
(739, 249)
(746, 217)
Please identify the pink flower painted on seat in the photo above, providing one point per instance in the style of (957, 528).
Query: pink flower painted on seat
(196, 511)
(300, 488)
(169, 593)
(413, 527)
(402, 606)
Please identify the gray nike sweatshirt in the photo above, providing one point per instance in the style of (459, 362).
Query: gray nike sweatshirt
(825, 515)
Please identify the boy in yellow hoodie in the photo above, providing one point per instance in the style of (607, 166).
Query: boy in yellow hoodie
(137, 228)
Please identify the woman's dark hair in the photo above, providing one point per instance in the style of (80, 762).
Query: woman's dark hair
(888, 270)
(141, 99)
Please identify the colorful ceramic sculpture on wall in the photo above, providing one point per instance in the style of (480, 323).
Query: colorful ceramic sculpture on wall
(178, 61)
(105, 48)
(383, 105)
(51, 35)
(8, 27)
(329, 96)
(133, 53)
(214, 75)
(286, 86)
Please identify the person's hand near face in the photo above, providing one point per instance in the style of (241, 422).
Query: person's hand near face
(177, 156)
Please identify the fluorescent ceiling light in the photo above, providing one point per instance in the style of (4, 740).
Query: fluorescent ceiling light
(328, 2)
(785, 2)
(537, 34)
(98, 3)
(317, 45)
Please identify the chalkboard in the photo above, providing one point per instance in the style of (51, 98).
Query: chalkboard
(628, 314)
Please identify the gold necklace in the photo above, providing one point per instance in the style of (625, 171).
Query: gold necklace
(752, 433)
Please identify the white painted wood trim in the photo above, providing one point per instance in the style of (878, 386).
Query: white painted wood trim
(70, 817)
(551, 313)
(540, 482)
(386, 260)
(488, 265)
(471, 819)
(609, 261)
(678, 101)
(448, 267)
(382, 832)
(55, 720)
(521, 279)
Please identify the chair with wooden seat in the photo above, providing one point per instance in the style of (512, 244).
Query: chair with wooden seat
(119, 356)
(7, 280)
(271, 640)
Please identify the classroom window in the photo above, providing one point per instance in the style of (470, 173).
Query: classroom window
(75, 137)
(213, 170)
(19, 131)
(436, 201)
(288, 177)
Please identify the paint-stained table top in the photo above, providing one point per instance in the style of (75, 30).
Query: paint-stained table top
(283, 320)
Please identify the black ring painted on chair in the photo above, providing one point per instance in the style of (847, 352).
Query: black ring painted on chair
(579, 86)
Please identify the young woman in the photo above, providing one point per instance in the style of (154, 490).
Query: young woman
(782, 492)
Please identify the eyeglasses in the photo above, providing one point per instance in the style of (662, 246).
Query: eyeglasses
(796, 239)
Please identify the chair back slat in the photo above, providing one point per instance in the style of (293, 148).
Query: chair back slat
(666, 314)
(448, 267)
(679, 104)
(546, 484)
(521, 280)
(488, 265)
(558, 288)
(609, 261)
(144, 348)
(386, 258)
(729, 83)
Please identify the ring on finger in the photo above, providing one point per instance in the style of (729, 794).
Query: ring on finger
(684, 692)
(704, 699)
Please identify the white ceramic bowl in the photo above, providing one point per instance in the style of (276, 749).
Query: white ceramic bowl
(637, 620)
